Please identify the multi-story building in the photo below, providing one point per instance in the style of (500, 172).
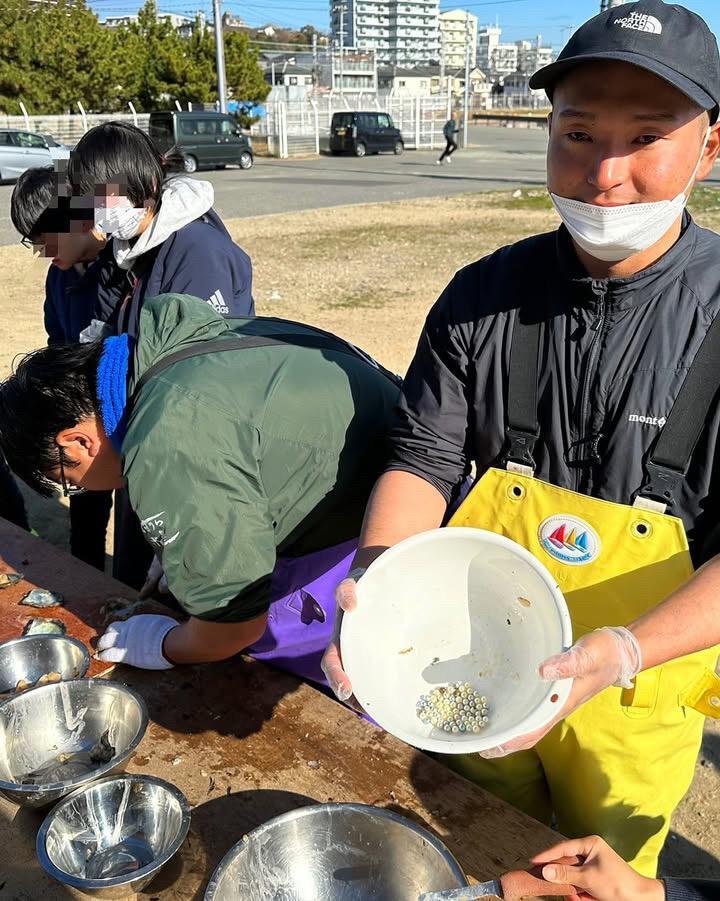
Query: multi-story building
(532, 56)
(182, 24)
(457, 27)
(400, 32)
(495, 58)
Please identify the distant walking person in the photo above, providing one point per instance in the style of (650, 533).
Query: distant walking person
(449, 131)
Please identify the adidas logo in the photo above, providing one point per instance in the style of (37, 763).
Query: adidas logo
(647, 420)
(640, 22)
(217, 302)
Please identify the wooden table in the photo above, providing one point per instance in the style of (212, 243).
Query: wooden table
(245, 743)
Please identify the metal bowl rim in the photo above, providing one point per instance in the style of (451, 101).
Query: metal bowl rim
(106, 768)
(299, 812)
(156, 865)
(23, 639)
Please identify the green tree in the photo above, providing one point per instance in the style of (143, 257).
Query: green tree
(162, 70)
(245, 78)
(54, 54)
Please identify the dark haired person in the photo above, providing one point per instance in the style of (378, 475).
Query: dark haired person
(80, 263)
(166, 238)
(165, 234)
(248, 457)
(577, 372)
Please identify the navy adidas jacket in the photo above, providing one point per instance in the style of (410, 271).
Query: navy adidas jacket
(200, 259)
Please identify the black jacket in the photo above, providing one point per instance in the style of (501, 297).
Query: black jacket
(692, 889)
(613, 356)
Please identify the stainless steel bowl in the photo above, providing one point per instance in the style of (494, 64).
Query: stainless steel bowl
(111, 838)
(335, 852)
(35, 656)
(58, 737)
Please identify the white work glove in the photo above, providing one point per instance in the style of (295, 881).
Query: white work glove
(155, 580)
(137, 641)
(605, 657)
(346, 598)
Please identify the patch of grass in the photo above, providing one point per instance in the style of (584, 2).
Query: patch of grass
(704, 200)
(520, 199)
(360, 298)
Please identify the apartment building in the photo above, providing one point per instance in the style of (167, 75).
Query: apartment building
(496, 59)
(400, 32)
(456, 27)
(184, 25)
(532, 56)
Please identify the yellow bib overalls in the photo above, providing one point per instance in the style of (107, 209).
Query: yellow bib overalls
(619, 765)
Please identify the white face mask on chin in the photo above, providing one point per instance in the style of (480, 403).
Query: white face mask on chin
(617, 232)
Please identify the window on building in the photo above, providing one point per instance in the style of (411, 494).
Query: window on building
(293, 79)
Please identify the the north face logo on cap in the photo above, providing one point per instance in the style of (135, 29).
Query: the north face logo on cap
(640, 22)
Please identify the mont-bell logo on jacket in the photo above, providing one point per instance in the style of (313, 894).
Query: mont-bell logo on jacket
(640, 22)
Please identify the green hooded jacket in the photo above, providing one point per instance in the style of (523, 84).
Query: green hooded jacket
(234, 458)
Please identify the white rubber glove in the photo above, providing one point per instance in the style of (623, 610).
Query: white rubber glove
(331, 663)
(605, 657)
(155, 580)
(137, 641)
(618, 663)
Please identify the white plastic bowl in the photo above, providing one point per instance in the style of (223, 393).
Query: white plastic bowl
(456, 605)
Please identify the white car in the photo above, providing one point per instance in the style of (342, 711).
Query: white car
(58, 150)
(21, 150)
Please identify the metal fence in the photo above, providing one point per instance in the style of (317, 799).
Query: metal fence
(71, 127)
(300, 127)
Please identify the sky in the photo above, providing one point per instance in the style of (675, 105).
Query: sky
(553, 19)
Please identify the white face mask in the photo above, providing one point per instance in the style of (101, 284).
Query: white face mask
(618, 232)
(121, 222)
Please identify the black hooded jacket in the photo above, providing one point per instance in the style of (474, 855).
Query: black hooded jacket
(613, 356)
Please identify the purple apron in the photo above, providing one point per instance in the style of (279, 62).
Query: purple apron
(301, 617)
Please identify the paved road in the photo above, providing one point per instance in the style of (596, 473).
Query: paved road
(497, 158)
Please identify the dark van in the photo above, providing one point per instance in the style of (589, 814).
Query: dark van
(362, 133)
(206, 139)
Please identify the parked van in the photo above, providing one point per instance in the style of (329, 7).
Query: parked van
(206, 139)
(362, 133)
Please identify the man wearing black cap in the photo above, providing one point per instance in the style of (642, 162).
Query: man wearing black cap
(579, 372)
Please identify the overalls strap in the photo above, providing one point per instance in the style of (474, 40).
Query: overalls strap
(522, 428)
(319, 341)
(670, 455)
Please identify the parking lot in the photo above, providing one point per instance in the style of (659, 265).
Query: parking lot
(496, 158)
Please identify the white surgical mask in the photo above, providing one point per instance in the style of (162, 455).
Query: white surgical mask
(121, 222)
(618, 232)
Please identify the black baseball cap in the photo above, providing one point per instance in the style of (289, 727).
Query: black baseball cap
(663, 38)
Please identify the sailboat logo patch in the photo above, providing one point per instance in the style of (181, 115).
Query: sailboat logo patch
(569, 539)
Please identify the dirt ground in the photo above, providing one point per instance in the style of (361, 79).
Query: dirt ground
(370, 273)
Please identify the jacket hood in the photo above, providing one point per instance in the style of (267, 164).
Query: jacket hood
(168, 323)
(183, 201)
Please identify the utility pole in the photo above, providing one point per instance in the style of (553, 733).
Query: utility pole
(466, 99)
(220, 57)
(316, 79)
